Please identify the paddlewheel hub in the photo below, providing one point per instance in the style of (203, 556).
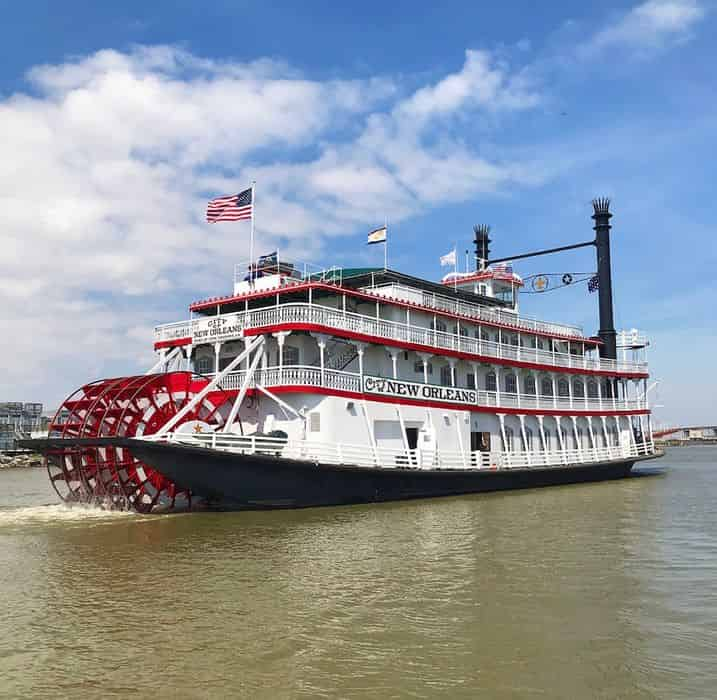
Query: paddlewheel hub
(112, 477)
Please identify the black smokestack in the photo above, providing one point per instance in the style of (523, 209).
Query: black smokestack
(482, 243)
(602, 227)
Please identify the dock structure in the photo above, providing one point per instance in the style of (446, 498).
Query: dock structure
(686, 435)
(18, 421)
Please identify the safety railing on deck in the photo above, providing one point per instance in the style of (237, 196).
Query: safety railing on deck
(301, 313)
(388, 458)
(475, 311)
(310, 376)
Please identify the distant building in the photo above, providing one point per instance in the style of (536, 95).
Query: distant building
(683, 435)
(18, 420)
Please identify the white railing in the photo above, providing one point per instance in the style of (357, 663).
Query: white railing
(474, 311)
(294, 270)
(403, 332)
(311, 376)
(387, 458)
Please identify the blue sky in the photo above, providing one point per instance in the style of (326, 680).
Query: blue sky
(119, 121)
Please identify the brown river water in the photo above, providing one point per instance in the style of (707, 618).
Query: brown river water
(591, 591)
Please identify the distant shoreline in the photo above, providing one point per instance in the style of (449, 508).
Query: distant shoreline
(22, 460)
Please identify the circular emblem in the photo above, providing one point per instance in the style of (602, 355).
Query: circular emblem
(540, 283)
(567, 278)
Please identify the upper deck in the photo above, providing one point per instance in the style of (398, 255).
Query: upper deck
(387, 308)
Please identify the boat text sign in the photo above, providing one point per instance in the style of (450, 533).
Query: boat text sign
(217, 328)
(420, 392)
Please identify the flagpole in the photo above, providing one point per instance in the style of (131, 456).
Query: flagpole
(455, 266)
(385, 245)
(251, 235)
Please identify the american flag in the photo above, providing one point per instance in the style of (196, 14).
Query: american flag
(232, 207)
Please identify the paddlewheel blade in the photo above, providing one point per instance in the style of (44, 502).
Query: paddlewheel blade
(125, 407)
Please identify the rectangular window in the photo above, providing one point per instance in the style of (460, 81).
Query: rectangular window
(445, 376)
(471, 381)
(291, 355)
(314, 422)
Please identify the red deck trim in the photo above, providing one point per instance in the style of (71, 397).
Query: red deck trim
(301, 389)
(172, 343)
(219, 301)
(350, 335)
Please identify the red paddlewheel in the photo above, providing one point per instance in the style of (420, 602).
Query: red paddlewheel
(125, 407)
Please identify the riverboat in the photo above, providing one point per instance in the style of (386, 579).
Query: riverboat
(309, 387)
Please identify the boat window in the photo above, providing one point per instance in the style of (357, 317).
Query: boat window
(529, 384)
(529, 438)
(471, 380)
(446, 375)
(511, 384)
(578, 388)
(291, 355)
(546, 387)
(513, 339)
(490, 383)
(592, 389)
(204, 365)
(563, 387)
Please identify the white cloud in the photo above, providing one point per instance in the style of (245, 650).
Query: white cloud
(649, 26)
(109, 159)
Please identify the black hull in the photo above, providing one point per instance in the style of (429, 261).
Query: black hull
(251, 482)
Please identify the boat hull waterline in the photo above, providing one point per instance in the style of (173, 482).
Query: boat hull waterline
(236, 481)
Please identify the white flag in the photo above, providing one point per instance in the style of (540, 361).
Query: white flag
(449, 258)
(378, 235)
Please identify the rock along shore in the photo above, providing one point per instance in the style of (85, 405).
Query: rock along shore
(20, 460)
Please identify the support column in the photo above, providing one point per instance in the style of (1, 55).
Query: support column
(521, 418)
(560, 439)
(280, 339)
(452, 363)
(578, 442)
(604, 432)
(501, 418)
(217, 350)
(425, 357)
(393, 354)
(543, 441)
(496, 371)
(592, 434)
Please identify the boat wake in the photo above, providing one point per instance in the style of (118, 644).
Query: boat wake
(59, 513)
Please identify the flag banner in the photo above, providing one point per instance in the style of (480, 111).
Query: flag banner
(232, 207)
(503, 267)
(593, 283)
(378, 235)
(449, 258)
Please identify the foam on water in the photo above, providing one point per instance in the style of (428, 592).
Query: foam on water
(59, 512)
